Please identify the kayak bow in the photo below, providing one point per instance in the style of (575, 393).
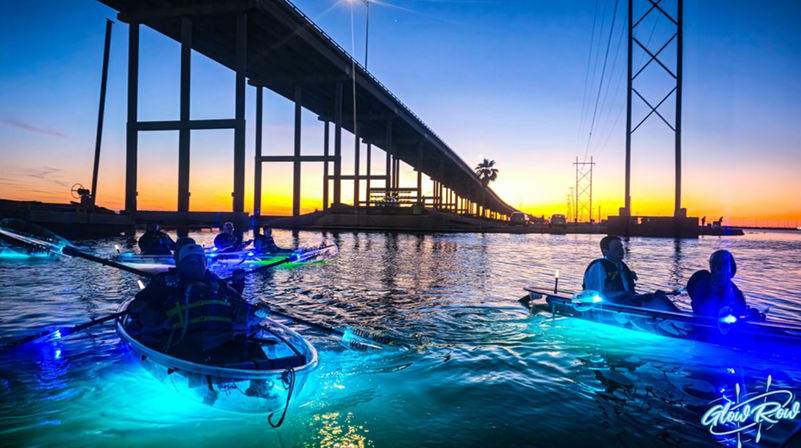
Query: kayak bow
(731, 331)
(253, 387)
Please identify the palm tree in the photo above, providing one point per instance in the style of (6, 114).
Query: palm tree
(486, 174)
(485, 171)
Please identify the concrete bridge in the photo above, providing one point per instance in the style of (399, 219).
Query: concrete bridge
(272, 44)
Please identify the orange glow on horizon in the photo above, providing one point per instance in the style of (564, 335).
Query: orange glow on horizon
(739, 203)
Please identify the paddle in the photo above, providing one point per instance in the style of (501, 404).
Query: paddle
(356, 338)
(62, 332)
(301, 255)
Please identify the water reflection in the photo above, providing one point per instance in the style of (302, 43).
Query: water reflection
(677, 268)
(334, 431)
(477, 365)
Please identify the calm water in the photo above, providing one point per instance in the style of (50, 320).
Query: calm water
(479, 371)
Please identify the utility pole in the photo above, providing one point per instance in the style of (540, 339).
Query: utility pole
(569, 213)
(583, 190)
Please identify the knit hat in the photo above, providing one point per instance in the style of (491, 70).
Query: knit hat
(187, 250)
(181, 242)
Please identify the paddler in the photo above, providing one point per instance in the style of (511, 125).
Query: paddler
(227, 240)
(155, 242)
(190, 313)
(265, 244)
(714, 294)
(616, 282)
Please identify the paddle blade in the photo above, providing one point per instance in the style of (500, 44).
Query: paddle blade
(363, 340)
(30, 238)
(326, 250)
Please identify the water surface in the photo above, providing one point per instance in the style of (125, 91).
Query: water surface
(478, 370)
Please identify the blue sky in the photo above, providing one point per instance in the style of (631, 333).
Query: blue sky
(514, 81)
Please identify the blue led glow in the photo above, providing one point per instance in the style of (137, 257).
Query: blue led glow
(730, 319)
(587, 296)
(347, 335)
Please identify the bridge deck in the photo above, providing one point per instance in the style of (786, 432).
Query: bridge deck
(285, 49)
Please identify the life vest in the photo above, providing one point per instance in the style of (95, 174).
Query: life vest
(266, 245)
(155, 243)
(614, 280)
(226, 242)
(201, 306)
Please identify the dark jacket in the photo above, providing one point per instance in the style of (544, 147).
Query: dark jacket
(614, 280)
(185, 318)
(226, 242)
(709, 300)
(266, 245)
(156, 243)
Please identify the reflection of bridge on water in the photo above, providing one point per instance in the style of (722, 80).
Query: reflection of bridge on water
(272, 44)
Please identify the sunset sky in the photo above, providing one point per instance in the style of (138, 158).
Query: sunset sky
(518, 82)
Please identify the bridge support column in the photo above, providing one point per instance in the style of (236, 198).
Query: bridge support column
(257, 161)
(131, 131)
(396, 172)
(184, 132)
(356, 157)
(419, 173)
(389, 165)
(325, 167)
(296, 161)
(367, 187)
(338, 144)
(239, 126)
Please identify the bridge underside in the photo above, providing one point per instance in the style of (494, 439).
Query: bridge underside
(271, 44)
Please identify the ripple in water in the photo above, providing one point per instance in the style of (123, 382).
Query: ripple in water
(478, 370)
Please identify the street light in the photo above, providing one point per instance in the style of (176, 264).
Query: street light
(366, 27)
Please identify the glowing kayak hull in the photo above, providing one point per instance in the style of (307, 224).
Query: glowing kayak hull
(242, 387)
(216, 261)
(781, 339)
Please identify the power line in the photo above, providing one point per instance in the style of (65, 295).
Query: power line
(601, 83)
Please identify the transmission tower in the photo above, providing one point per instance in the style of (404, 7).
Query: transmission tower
(583, 201)
(660, 62)
(569, 214)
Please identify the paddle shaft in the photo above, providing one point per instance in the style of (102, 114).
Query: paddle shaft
(325, 328)
(69, 250)
(64, 332)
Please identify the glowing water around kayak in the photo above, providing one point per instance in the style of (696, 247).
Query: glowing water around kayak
(481, 371)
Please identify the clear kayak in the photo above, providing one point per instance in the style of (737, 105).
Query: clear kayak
(779, 338)
(217, 261)
(20, 239)
(252, 387)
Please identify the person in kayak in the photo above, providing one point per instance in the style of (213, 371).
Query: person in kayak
(191, 314)
(714, 294)
(228, 240)
(265, 244)
(616, 282)
(155, 242)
